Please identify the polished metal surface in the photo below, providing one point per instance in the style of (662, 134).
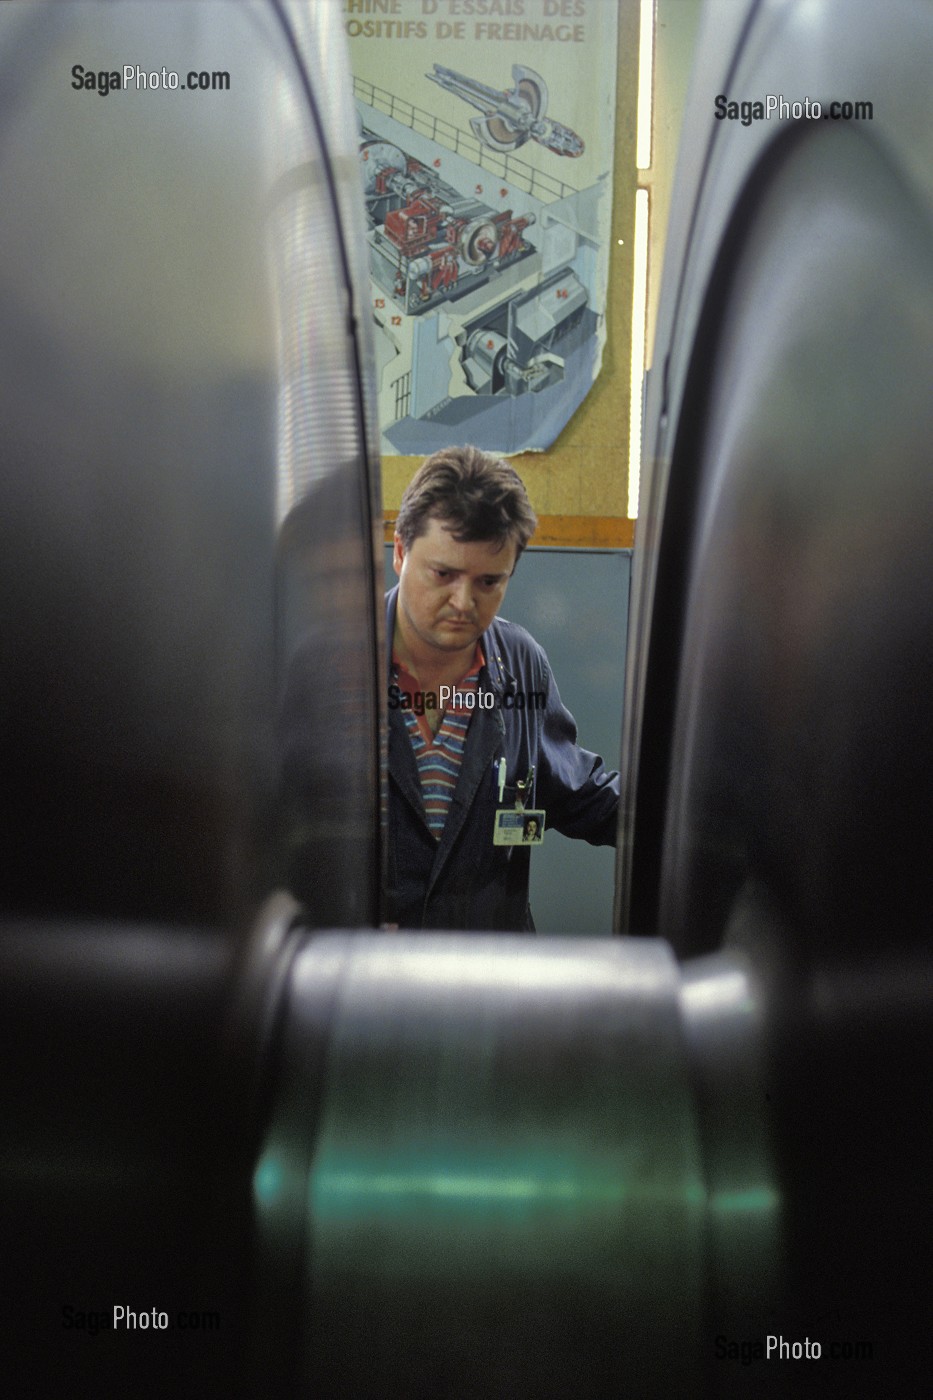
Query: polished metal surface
(513, 1167)
(777, 743)
(189, 704)
(329, 615)
(802, 749)
(187, 503)
(776, 727)
(120, 1165)
(486, 1156)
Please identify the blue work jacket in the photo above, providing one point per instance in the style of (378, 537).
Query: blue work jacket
(464, 881)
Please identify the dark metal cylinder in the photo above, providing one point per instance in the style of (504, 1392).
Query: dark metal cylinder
(506, 1192)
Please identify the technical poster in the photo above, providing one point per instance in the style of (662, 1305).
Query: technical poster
(486, 144)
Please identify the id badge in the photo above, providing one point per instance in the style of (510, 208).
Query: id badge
(524, 827)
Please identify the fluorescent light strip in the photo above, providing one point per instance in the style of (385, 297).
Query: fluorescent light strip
(645, 84)
(639, 327)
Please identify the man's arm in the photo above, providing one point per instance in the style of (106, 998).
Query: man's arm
(579, 794)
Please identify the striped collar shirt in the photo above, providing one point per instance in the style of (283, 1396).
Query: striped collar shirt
(439, 756)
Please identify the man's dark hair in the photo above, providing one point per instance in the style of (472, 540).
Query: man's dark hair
(474, 495)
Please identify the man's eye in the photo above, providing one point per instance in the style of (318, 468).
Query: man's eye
(442, 573)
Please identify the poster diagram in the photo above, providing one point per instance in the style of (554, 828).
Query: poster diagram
(488, 198)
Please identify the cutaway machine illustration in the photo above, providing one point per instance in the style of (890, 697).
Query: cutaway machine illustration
(430, 242)
(514, 116)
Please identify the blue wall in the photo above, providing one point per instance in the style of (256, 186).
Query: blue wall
(575, 603)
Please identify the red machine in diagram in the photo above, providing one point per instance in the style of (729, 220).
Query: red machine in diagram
(430, 243)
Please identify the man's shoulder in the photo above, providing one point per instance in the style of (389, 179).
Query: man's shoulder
(513, 640)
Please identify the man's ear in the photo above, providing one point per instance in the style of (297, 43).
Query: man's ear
(398, 553)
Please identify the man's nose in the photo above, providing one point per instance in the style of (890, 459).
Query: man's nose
(462, 595)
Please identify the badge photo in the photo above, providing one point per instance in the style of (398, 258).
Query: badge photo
(519, 828)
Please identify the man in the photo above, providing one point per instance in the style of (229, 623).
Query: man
(477, 731)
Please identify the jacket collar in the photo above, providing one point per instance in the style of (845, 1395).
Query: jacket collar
(487, 732)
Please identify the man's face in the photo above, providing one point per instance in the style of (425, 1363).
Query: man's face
(449, 591)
